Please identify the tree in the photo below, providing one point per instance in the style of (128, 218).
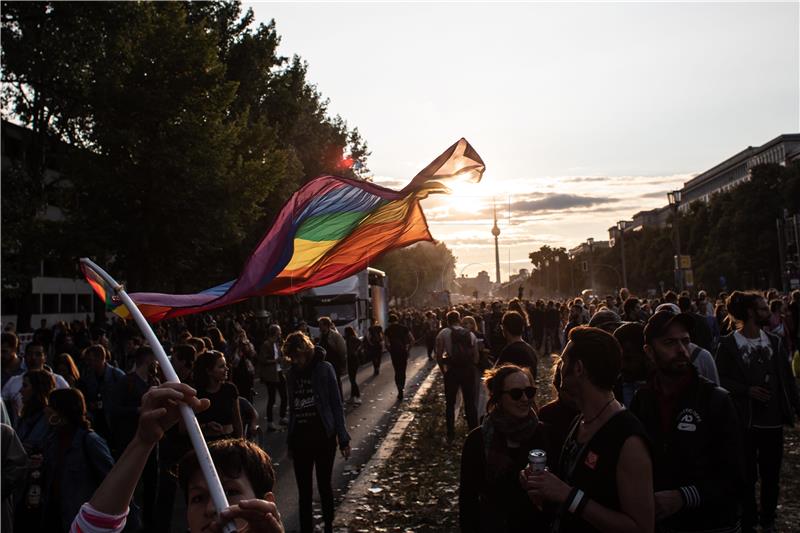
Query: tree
(189, 132)
(418, 270)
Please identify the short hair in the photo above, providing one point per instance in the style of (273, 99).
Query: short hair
(775, 305)
(392, 317)
(185, 353)
(670, 297)
(142, 353)
(197, 342)
(453, 318)
(600, 353)
(96, 350)
(232, 458)
(739, 302)
(31, 344)
(325, 321)
(9, 339)
(685, 303)
(630, 304)
(273, 330)
(494, 378)
(469, 320)
(513, 323)
(208, 342)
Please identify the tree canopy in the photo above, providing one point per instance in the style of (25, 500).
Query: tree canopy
(187, 132)
(732, 238)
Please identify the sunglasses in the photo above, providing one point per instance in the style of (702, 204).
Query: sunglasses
(516, 394)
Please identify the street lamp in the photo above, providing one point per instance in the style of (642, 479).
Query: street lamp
(674, 198)
(590, 242)
(547, 273)
(621, 228)
(558, 275)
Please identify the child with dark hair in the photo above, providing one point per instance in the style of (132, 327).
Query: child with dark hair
(245, 472)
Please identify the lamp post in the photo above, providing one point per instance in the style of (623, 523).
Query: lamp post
(621, 228)
(547, 273)
(558, 276)
(674, 198)
(590, 242)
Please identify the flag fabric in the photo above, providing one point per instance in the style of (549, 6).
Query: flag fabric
(330, 229)
(103, 290)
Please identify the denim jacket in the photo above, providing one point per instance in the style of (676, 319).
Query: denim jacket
(326, 396)
(85, 464)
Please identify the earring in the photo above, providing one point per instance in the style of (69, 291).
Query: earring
(54, 420)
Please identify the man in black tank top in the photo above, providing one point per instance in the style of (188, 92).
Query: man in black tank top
(603, 481)
(692, 423)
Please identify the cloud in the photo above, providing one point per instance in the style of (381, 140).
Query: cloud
(560, 202)
(656, 194)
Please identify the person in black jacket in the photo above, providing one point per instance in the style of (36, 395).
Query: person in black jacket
(754, 366)
(693, 428)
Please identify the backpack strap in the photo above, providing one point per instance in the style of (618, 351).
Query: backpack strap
(695, 353)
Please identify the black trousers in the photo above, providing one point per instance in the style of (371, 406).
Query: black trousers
(306, 457)
(376, 357)
(280, 388)
(352, 372)
(430, 344)
(763, 449)
(460, 378)
(400, 362)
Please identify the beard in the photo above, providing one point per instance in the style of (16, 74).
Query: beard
(677, 367)
(762, 322)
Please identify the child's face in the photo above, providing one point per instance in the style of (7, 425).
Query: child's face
(200, 511)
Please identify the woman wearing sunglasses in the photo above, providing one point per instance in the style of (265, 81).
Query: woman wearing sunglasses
(490, 496)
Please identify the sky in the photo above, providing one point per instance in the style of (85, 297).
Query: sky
(584, 113)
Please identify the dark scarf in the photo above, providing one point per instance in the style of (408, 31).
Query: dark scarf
(497, 429)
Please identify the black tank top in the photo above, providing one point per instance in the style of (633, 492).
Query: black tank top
(592, 467)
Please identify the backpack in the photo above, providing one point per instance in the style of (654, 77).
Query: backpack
(462, 351)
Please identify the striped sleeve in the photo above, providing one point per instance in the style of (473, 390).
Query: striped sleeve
(90, 520)
(691, 496)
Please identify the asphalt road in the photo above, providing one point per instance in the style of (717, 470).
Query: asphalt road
(367, 424)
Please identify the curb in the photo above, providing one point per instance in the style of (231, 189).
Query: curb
(365, 480)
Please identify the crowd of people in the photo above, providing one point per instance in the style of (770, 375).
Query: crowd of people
(669, 412)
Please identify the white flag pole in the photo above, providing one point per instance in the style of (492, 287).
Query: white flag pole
(193, 428)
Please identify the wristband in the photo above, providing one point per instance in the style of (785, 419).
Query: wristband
(575, 502)
(570, 497)
(582, 505)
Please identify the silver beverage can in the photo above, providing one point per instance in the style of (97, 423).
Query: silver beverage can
(538, 460)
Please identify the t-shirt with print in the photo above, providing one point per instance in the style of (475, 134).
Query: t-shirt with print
(308, 426)
(757, 358)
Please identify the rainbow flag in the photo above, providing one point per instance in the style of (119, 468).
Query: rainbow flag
(330, 229)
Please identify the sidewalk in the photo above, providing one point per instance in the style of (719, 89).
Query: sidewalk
(411, 484)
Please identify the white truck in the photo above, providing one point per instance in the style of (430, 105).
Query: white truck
(358, 301)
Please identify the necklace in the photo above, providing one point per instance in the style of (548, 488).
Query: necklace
(595, 417)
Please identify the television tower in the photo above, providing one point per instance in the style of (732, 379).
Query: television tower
(496, 233)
